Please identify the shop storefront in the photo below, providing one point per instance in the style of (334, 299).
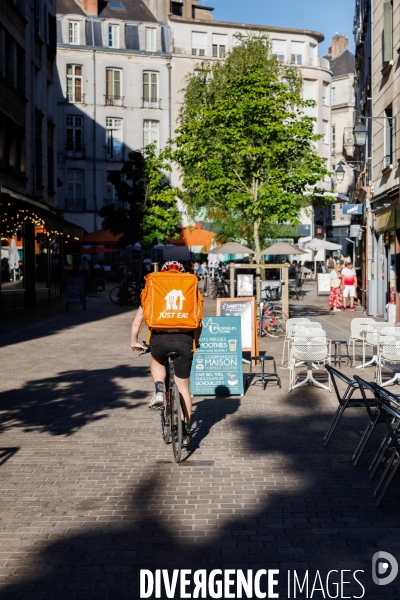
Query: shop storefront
(33, 245)
(383, 266)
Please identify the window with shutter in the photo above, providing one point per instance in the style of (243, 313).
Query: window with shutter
(219, 45)
(199, 43)
(297, 53)
(150, 39)
(279, 49)
(309, 89)
(387, 32)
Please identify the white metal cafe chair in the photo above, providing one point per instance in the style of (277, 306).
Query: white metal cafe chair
(291, 325)
(357, 326)
(371, 337)
(389, 354)
(313, 352)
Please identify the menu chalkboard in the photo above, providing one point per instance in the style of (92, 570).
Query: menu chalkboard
(217, 364)
(75, 291)
(245, 308)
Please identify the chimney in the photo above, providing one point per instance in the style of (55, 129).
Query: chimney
(91, 7)
(187, 9)
(340, 43)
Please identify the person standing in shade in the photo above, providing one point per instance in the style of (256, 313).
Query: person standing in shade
(349, 285)
(335, 295)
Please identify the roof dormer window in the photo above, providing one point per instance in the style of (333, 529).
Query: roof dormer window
(113, 36)
(73, 32)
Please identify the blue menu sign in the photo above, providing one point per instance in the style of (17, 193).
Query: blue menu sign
(217, 364)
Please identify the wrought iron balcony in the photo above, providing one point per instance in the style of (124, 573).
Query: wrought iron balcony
(114, 100)
(75, 98)
(146, 103)
(77, 151)
(75, 204)
(114, 153)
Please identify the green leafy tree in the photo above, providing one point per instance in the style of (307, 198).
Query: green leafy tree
(244, 145)
(233, 226)
(150, 216)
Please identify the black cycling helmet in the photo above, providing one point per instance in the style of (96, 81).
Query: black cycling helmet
(173, 265)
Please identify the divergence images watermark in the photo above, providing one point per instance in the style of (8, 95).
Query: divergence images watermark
(263, 583)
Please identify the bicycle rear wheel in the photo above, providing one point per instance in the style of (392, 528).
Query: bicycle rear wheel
(271, 328)
(176, 422)
(115, 295)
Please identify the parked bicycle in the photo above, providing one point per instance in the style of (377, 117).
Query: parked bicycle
(123, 294)
(272, 318)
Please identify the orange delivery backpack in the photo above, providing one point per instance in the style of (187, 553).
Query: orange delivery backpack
(172, 302)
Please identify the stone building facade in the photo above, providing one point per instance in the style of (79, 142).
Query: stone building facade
(29, 222)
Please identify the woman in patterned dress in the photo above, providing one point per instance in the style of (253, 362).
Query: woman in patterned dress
(335, 296)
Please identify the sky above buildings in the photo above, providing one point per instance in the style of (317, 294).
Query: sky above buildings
(324, 16)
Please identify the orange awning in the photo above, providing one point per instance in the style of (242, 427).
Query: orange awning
(194, 236)
(103, 236)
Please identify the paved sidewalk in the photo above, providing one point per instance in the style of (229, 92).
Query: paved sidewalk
(90, 495)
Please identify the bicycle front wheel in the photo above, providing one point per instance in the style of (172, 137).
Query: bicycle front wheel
(176, 422)
(115, 295)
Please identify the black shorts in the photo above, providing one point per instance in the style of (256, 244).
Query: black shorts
(162, 344)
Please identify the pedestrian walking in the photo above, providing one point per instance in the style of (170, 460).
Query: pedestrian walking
(349, 285)
(335, 295)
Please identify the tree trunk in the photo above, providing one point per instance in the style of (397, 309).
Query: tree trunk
(256, 225)
(256, 228)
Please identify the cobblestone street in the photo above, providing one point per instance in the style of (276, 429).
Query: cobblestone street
(90, 494)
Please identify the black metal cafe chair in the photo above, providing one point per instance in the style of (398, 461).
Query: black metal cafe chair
(345, 400)
(389, 406)
(374, 414)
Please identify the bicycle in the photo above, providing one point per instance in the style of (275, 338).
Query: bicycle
(171, 412)
(271, 322)
(125, 295)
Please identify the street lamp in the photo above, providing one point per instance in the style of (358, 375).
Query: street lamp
(360, 134)
(340, 172)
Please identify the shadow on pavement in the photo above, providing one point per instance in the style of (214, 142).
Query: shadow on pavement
(204, 417)
(63, 404)
(315, 511)
(50, 319)
(6, 453)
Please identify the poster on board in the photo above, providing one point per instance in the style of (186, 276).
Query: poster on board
(245, 285)
(323, 283)
(245, 308)
(217, 364)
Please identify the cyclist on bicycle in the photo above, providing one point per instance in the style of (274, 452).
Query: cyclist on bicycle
(161, 344)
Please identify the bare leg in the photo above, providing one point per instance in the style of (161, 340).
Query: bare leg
(351, 301)
(184, 391)
(158, 371)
